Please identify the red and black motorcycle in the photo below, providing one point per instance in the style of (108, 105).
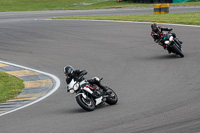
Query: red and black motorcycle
(173, 44)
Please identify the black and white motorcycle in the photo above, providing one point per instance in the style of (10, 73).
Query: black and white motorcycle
(89, 96)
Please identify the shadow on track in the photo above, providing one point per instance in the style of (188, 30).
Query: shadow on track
(77, 110)
(162, 57)
(80, 110)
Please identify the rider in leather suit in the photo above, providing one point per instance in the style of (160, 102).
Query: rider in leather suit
(76, 75)
(157, 34)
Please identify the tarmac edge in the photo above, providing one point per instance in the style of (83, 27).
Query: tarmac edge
(38, 86)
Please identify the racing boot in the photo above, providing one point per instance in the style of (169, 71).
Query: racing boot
(106, 91)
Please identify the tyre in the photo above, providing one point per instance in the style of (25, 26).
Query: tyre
(87, 104)
(177, 51)
(112, 98)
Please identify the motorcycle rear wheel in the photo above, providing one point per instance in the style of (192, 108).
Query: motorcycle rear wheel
(112, 99)
(86, 104)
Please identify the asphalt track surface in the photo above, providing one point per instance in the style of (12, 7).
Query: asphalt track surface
(158, 93)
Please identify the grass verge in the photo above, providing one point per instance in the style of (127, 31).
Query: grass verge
(173, 18)
(35, 5)
(10, 86)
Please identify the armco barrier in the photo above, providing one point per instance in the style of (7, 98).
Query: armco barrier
(161, 8)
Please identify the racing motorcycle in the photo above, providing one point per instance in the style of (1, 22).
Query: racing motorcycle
(173, 44)
(89, 96)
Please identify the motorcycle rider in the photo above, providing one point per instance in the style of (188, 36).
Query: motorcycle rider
(76, 75)
(157, 34)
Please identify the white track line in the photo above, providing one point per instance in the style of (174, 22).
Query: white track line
(134, 22)
(56, 86)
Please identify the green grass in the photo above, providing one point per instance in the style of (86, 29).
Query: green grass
(35, 5)
(10, 86)
(175, 18)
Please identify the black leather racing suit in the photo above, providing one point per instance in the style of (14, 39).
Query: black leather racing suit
(78, 73)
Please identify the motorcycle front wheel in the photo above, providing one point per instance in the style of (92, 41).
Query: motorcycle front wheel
(87, 104)
(177, 51)
(112, 98)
